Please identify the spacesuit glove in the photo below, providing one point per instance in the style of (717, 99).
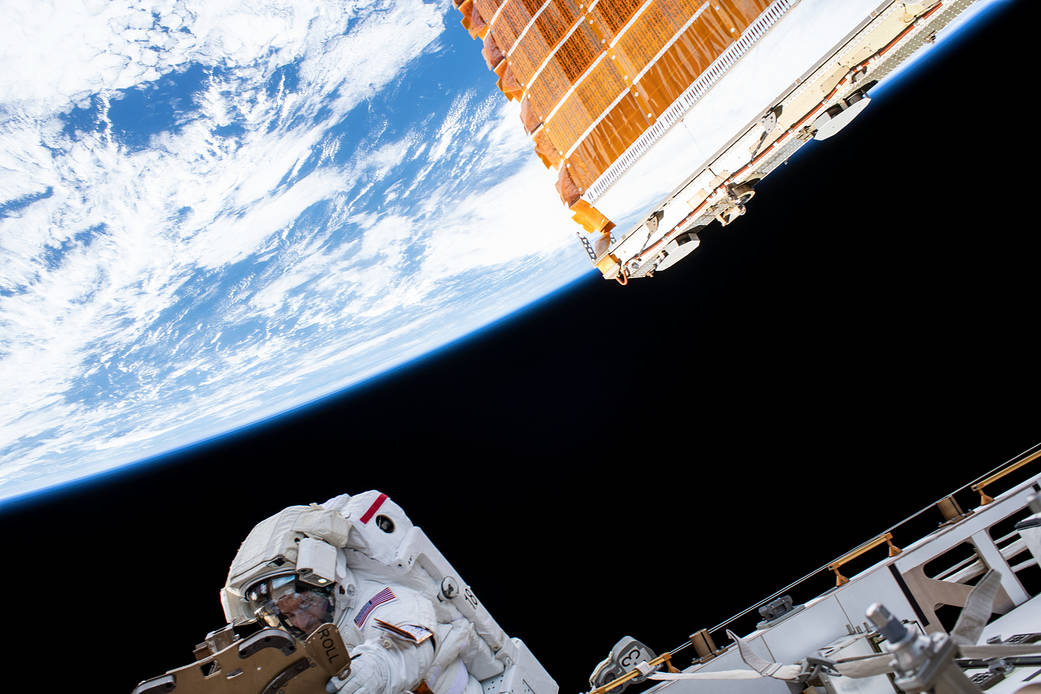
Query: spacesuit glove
(368, 675)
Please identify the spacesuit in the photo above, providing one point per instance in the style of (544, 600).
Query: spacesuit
(407, 619)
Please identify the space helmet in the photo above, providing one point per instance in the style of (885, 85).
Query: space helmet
(289, 570)
(299, 607)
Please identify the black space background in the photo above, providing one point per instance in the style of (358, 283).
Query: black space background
(645, 460)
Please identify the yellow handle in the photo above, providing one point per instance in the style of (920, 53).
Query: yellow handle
(666, 658)
(978, 487)
(886, 538)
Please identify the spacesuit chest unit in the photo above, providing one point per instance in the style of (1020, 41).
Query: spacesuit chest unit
(410, 622)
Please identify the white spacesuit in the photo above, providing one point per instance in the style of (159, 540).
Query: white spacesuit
(410, 623)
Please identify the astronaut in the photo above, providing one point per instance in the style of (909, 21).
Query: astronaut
(407, 619)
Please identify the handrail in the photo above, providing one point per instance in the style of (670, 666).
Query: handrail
(1021, 458)
(885, 538)
(633, 674)
(978, 487)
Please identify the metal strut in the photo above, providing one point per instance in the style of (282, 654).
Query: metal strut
(588, 246)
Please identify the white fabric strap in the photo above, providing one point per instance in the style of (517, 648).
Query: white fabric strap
(978, 606)
(867, 666)
(762, 666)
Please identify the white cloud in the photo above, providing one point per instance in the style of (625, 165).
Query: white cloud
(103, 275)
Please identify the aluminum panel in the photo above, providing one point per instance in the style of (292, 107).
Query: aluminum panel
(812, 628)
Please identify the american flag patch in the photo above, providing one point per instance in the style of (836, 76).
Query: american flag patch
(380, 598)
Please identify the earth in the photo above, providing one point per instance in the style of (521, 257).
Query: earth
(213, 213)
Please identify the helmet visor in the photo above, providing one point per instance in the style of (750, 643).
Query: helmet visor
(297, 606)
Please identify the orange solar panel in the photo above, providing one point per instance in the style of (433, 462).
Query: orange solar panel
(591, 80)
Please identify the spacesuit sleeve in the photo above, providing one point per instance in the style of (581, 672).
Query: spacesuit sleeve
(389, 667)
(384, 663)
